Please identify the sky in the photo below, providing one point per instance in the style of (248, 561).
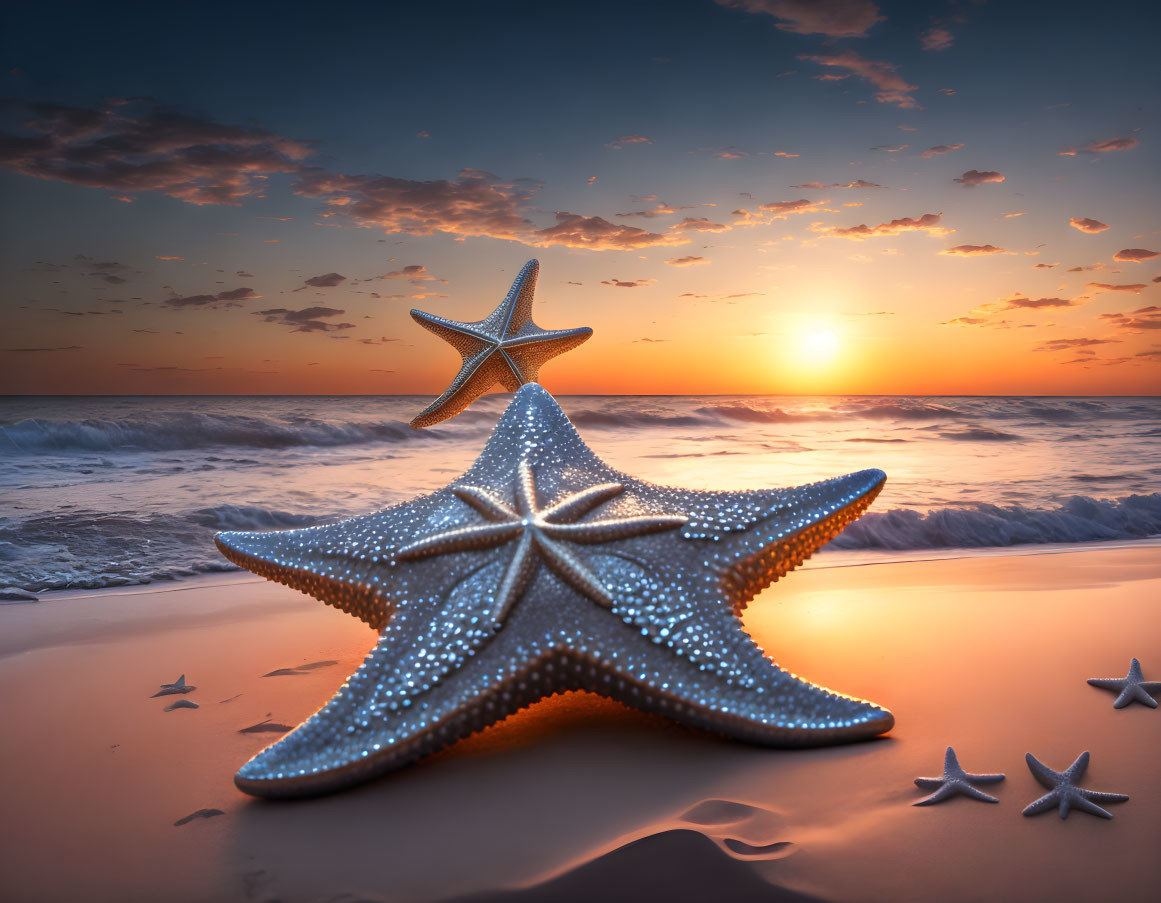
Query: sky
(741, 196)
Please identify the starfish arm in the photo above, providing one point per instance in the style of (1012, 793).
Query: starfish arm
(1107, 683)
(566, 566)
(550, 337)
(1139, 694)
(1100, 797)
(929, 783)
(529, 356)
(950, 763)
(1135, 674)
(577, 505)
(464, 539)
(1046, 802)
(1077, 801)
(1040, 771)
(516, 308)
(461, 336)
(611, 530)
(1074, 771)
(512, 376)
(475, 378)
(485, 502)
(1151, 686)
(516, 576)
(984, 778)
(1128, 694)
(525, 490)
(946, 791)
(968, 790)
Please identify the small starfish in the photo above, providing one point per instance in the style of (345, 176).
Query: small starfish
(537, 532)
(955, 782)
(1133, 687)
(505, 347)
(1064, 792)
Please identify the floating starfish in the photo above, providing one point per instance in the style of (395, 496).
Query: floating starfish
(505, 347)
(1132, 687)
(955, 782)
(1064, 792)
(638, 599)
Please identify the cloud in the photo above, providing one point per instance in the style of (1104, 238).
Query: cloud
(309, 319)
(891, 149)
(965, 321)
(937, 38)
(1091, 266)
(928, 223)
(1084, 224)
(939, 149)
(892, 88)
(39, 350)
(626, 283)
(662, 209)
(729, 153)
(326, 280)
(596, 234)
(686, 261)
(1018, 213)
(382, 340)
(422, 133)
(833, 18)
(1099, 287)
(701, 224)
(139, 146)
(475, 204)
(159, 257)
(1069, 344)
(1135, 255)
(1102, 147)
(415, 273)
(227, 298)
(628, 139)
(1022, 302)
(974, 177)
(974, 251)
(857, 183)
(774, 210)
(1044, 266)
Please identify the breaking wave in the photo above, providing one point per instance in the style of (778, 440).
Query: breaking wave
(186, 430)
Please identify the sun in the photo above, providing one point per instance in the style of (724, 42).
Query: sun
(819, 345)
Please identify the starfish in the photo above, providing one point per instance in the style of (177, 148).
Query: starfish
(1063, 791)
(505, 347)
(1132, 687)
(955, 781)
(543, 570)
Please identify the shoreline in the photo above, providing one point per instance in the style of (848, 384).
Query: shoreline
(988, 654)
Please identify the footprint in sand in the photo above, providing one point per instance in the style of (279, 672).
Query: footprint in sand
(201, 813)
(716, 815)
(299, 669)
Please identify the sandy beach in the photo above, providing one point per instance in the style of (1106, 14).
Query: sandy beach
(578, 798)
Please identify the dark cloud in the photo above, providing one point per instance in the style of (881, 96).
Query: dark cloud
(936, 38)
(625, 283)
(628, 139)
(833, 18)
(1102, 147)
(36, 350)
(974, 177)
(133, 146)
(857, 183)
(1130, 289)
(227, 298)
(1068, 344)
(1021, 302)
(326, 280)
(309, 319)
(686, 261)
(1140, 319)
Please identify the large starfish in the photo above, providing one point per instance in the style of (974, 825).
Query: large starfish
(1064, 793)
(955, 782)
(638, 601)
(505, 347)
(1131, 688)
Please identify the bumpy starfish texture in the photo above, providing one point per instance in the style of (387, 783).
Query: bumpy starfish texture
(1064, 794)
(542, 570)
(505, 347)
(1131, 688)
(955, 782)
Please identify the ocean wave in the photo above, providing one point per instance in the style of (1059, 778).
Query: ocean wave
(174, 431)
(89, 549)
(1079, 519)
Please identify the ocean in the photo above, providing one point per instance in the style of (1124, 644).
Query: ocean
(110, 491)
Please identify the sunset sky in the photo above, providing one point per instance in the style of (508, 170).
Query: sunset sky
(742, 196)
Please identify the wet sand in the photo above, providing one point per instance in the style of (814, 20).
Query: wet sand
(109, 797)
